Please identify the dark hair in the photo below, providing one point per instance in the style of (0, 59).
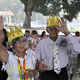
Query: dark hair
(77, 33)
(34, 32)
(27, 31)
(42, 34)
(14, 41)
(6, 38)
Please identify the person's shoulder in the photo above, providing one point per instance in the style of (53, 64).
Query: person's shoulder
(30, 53)
(29, 37)
(43, 41)
(9, 52)
(29, 50)
(77, 38)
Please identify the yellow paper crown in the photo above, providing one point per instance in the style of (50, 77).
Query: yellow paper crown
(52, 21)
(14, 33)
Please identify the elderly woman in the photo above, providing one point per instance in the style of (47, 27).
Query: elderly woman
(20, 64)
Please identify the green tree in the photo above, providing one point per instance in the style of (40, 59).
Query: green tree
(71, 8)
(45, 7)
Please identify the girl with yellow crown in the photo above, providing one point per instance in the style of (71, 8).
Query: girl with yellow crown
(20, 64)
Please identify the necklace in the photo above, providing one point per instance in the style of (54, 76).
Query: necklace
(22, 70)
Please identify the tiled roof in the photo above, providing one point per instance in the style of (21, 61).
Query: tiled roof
(9, 13)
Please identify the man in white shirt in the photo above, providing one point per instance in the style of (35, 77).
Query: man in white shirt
(65, 44)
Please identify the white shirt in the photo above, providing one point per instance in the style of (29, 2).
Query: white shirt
(78, 39)
(12, 64)
(44, 50)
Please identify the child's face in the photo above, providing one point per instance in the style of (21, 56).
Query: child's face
(34, 36)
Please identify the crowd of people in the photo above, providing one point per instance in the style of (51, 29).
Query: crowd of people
(51, 57)
(74, 60)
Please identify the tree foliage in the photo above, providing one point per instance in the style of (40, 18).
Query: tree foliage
(71, 8)
(45, 7)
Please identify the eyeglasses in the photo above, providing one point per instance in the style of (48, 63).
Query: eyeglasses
(23, 41)
(52, 28)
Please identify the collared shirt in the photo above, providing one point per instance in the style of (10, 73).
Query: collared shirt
(44, 50)
(27, 38)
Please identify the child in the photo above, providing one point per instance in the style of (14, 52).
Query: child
(34, 40)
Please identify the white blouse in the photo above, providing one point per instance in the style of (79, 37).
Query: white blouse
(12, 64)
